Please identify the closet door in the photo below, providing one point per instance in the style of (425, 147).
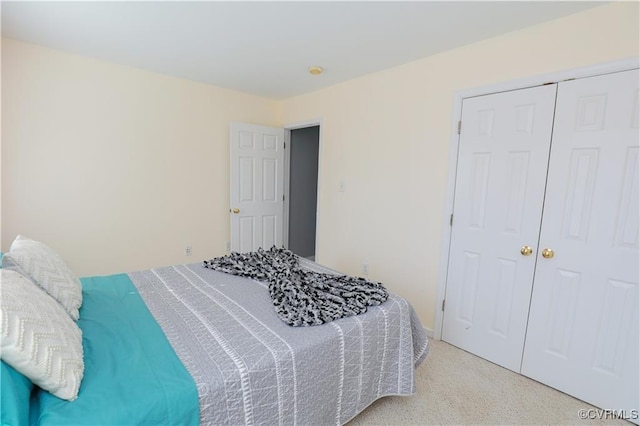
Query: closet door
(582, 336)
(502, 166)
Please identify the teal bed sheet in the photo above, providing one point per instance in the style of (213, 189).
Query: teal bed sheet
(15, 392)
(132, 374)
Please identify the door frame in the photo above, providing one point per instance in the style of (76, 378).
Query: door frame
(459, 96)
(287, 164)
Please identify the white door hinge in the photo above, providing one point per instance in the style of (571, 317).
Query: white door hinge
(459, 126)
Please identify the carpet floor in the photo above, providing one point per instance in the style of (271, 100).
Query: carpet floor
(456, 387)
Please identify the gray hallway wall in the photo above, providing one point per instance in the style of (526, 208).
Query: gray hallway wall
(303, 188)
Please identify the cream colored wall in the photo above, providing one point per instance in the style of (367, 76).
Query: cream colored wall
(387, 136)
(116, 168)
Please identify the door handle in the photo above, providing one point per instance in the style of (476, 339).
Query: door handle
(236, 210)
(547, 253)
(526, 250)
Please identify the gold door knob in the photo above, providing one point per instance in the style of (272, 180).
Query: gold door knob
(526, 250)
(547, 253)
(236, 210)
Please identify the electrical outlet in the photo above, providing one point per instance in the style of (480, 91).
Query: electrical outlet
(227, 246)
(365, 268)
(187, 250)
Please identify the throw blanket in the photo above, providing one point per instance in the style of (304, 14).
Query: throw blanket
(302, 297)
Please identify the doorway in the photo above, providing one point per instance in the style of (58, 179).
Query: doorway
(303, 190)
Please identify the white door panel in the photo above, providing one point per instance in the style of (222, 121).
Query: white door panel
(582, 336)
(257, 186)
(502, 163)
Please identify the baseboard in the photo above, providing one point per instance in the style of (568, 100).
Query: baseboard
(428, 332)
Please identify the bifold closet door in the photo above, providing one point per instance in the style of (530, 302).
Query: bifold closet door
(500, 181)
(582, 336)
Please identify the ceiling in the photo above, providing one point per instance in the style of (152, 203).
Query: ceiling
(265, 48)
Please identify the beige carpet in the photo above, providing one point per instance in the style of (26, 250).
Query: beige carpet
(455, 387)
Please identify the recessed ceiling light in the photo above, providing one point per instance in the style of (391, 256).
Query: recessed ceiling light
(315, 70)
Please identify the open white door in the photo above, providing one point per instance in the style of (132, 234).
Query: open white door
(257, 186)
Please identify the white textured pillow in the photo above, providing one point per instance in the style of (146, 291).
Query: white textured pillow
(37, 261)
(38, 338)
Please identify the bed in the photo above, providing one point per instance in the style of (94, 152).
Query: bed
(185, 344)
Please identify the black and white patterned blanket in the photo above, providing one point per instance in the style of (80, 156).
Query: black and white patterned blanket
(302, 297)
